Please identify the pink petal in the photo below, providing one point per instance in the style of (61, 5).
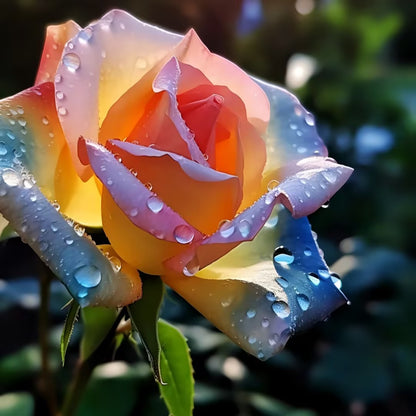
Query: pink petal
(56, 37)
(142, 207)
(167, 80)
(99, 65)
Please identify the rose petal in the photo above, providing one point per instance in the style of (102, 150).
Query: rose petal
(291, 134)
(201, 195)
(302, 193)
(98, 66)
(89, 276)
(256, 307)
(56, 37)
(30, 134)
(220, 71)
(140, 205)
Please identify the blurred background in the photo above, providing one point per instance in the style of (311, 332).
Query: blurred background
(353, 64)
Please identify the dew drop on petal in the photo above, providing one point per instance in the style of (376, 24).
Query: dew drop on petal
(283, 255)
(272, 184)
(183, 234)
(62, 111)
(314, 279)
(88, 276)
(115, 263)
(71, 61)
(226, 228)
(252, 339)
(336, 280)
(251, 313)
(244, 228)
(11, 177)
(309, 119)
(154, 204)
(191, 268)
(3, 149)
(265, 323)
(303, 301)
(323, 273)
(69, 241)
(307, 252)
(282, 282)
(270, 296)
(60, 95)
(281, 309)
(330, 176)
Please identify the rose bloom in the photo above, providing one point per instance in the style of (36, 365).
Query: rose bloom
(196, 171)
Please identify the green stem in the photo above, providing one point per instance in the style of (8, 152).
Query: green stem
(46, 383)
(85, 368)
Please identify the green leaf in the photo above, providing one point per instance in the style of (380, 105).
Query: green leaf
(97, 321)
(144, 315)
(13, 404)
(68, 328)
(176, 367)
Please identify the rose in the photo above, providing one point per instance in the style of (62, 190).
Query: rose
(191, 167)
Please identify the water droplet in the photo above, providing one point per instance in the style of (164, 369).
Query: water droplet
(323, 273)
(43, 245)
(269, 198)
(265, 323)
(22, 121)
(282, 282)
(303, 301)
(183, 234)
(133, 171)
(191, 268)
(141, 63)
(251, 313)
(20, 109)
(33, 197)
(62, 111)
(69, 241)
(54, 227)
(85, 35)
(330, 176)
(115, 263)
(225, 303)
(309, 119)
(88, 276)
(244, 228)
(11, 177)
(270, 296)
(60, 95)
(252, 339)
(56, 205)
(155, 204)
(3, 149)
(293, 126)
(336, 280)
(71, 61)
(325, 205)
(58, 79)
(109, 181)
(272, 221)
(79, 230)
(272, 184)
(302, 149)
(307, 252)
(283, 255)
(149, 186)
(281, 309)
(307, 193)
(45, 120)
(134, 212)
(314, 279)
(82, 293)
(226, 228)
(260, 355)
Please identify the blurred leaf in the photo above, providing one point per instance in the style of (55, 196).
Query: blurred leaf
(144, 314)
(114, 389)
(13, 404)
(268, 406)
(97, 322)
(19, 365)
(176, 367)
(68, 328)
